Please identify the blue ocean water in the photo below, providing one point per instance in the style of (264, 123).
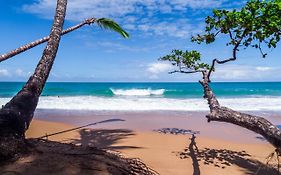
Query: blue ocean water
(171, 90)
(151, 96)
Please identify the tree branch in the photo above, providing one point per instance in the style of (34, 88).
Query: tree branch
(30, 45)
(217, 33)
(234, 54)
(186, 72)
(254, 123)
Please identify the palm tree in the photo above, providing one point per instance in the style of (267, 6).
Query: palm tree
(16, 115)
(102, 22)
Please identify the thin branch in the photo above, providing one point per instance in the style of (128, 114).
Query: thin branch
(186, 72)
(260, 49)
(230, 35)
(30, 45)
(219, 62)
(234, 53)
(217, 33)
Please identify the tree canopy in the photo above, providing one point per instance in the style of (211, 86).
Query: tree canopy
(257, 24)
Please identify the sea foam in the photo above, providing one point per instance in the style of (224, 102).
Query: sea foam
(131, 103)
(137, 92)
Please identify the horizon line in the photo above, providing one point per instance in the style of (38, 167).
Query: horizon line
(146, 82)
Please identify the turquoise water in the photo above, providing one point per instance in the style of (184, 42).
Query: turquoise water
(245, 96)
(171, 90)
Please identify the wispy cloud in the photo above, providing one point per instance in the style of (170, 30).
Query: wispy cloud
(79, 9)
(136, 15)
(246, 73)
(223, 73)
(154, 69)
(157, 68)
(180, 28)
(15, 73)
(264, 69)
(4, 73)
(21, 73)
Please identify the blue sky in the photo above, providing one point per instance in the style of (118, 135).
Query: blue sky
(92, 54)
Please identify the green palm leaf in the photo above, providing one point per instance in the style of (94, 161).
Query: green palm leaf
(109, 24)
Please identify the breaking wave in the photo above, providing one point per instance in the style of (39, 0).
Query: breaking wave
(137, 92)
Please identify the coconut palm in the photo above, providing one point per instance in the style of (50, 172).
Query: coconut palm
(16, 115)
(104, 23)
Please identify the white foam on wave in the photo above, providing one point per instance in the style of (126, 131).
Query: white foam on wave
(150, 103)
(137, 92)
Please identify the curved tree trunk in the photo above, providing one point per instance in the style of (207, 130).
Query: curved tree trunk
(17, 114)
(254, 123)
(42, 40)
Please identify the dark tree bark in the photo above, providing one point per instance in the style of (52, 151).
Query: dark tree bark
(42, 40)
(254, 123)
(17, 114)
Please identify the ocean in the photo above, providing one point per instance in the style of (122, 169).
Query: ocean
(243, 96)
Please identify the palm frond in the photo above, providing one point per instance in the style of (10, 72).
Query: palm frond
(109, 24)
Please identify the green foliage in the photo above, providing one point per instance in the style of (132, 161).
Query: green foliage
(257, 23)
(186, 60)
(109, 24)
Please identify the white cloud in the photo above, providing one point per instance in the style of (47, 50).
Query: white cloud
(178, 28)
(21, 73)
(138, 15)
(15, 73)
(259, 68)
(79, 9)
(158, 67)
(246, 73)
(4, 73)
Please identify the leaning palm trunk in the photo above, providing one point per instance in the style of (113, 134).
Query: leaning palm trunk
(254, 123)
(17, 114)
(43, 40)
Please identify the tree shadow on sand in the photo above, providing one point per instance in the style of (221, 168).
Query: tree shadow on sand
(223, 158)
(51, 158)
(86, 155)
(104, 139)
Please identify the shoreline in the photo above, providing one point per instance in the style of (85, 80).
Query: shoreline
(154, 120)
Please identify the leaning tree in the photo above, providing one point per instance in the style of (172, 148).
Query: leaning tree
(258, 25)
(16, 115)
(104, 23)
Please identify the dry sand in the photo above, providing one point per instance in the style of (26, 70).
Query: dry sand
(172, 154)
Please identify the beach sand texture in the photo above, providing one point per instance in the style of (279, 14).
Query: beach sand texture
(217, 152)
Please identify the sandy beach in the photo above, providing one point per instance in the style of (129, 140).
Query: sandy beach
(217, 148)
(153, 87)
